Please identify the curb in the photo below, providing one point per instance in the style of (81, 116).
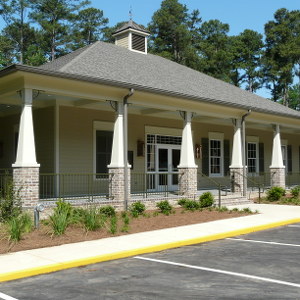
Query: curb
(123, 254)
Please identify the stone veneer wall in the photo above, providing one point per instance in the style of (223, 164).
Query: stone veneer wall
(187, 182)
(237, 181)
(278, 177)
(26, 183)
(116, 184)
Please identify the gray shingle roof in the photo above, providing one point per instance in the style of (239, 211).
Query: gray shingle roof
(116, 64)
(130, 24)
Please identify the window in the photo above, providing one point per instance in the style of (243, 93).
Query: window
(252, 157)
(103, 150)
(215, 156)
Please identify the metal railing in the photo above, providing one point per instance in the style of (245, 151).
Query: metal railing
(6, 177)
(292, 179)
(255, 181)
(219, 183)
(154, 183)
(72, 186)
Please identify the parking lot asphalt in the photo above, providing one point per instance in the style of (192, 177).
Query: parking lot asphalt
(260, 265)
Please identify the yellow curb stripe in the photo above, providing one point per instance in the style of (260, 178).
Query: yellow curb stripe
(122, 254)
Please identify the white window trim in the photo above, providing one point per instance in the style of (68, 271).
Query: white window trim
(99, 125)
(256, 159)
(218, 136)
(253, 140)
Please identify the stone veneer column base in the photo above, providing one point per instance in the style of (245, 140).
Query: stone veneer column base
(237, 180)
(277, 177)
(26, 183)
(187, 182)
(116, 184)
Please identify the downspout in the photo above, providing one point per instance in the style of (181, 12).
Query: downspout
(125, 153)
(244, 152)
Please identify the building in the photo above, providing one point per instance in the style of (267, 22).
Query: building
(68, 126)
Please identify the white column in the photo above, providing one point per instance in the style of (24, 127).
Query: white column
(277, 161)
(277, 169)
(187, 158)
(237, 157)
(238, 182)
(117, 155)
(187, 168)
(26, 156)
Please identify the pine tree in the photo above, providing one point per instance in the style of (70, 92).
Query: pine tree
(170, 36)
(89, 26)
(282, 53)
(53, 17)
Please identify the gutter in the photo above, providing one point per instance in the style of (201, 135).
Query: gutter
(244, 151)
(125, 153)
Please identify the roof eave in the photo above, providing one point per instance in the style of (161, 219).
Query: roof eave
(120, 84)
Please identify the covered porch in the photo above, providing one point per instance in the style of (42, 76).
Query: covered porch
(65, 138)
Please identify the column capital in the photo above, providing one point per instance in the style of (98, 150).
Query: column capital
(187, 158)
(26, 156)
(117, 156)
(277, 160)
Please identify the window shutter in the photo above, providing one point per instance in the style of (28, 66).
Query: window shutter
(226, 157)
(205, 156)
(261, 155)
(289, 159)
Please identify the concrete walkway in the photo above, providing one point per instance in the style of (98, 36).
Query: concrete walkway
(40, 261)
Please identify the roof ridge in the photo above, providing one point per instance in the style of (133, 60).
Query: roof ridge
(88, 47)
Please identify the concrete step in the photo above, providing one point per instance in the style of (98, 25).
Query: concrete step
(234, 201)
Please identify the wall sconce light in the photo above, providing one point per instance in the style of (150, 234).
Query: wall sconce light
(198, 151)
(140, 148)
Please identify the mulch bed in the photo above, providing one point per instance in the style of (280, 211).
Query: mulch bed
(75, 233)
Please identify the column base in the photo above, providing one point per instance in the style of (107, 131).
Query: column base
(116, 184)
(237, 180)
(187, 182)
(277, 177)
(26, 184)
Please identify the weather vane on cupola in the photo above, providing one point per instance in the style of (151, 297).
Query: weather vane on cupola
(130, 13)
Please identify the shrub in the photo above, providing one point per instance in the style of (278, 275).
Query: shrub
(77, 215)
(295, 191)
(137, 209)
(10, 202)
(126, 221)
(60, 218)
(26, 222)
(108, 211)
(206, 200)
(222, 209)
(182, 202)
(18, 225)
(165, 207)
(92, 219)
(113, 224)
(59, 222)
(275, 193)
(191, 205)
(14, 229)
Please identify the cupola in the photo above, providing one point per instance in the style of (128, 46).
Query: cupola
(132, 36)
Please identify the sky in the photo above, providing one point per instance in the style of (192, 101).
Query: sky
(239, 14)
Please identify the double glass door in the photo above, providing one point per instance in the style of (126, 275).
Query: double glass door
(168, 157)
